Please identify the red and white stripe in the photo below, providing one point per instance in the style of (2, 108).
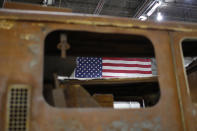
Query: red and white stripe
(126, 67)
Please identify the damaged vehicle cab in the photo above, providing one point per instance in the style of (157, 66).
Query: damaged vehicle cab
(38, 54)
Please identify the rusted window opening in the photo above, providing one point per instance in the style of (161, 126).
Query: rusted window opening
(60, 60)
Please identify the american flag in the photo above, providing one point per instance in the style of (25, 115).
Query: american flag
(96, 67)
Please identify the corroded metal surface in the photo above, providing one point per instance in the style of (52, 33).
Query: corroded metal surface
(85, 19)
(21, 59)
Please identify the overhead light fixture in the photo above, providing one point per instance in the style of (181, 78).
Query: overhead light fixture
(143, 18)
(156, 5)
(159, 16)
(48, 2)
(150, 10)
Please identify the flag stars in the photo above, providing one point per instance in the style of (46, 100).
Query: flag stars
(88, 67)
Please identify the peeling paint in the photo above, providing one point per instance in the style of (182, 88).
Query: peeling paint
(70, 21)
(194, 112)
(142, 125)
(123, 25)
(145, 125)
(38, 24)
(43, 29)
(78, 22)
(30, 37)
(7, 25)
(35, 126)
(10, 17)
(70, 125)
(117, 126)
(149, 125)
(33, 63)
(135, 129)
(34, 49)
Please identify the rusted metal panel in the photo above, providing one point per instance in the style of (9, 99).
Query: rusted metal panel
(21, 57)
(192, 84)
(86, 19)
(188, 108)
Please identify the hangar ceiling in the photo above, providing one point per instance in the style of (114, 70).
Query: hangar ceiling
(171, 10)
(178, 10)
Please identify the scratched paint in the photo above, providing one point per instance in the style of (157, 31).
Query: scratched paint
(7, 25)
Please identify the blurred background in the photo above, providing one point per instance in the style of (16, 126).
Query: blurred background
(156, 10)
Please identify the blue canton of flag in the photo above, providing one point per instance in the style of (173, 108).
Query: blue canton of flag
(88, 67)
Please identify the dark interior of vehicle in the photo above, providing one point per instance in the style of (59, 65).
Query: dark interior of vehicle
(60, 60)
